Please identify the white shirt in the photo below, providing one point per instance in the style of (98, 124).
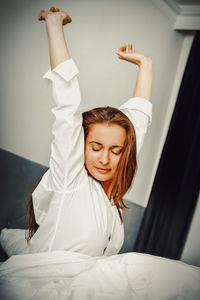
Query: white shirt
(71, 208)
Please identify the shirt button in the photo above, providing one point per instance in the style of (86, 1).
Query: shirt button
(109, 237)
(104, 250)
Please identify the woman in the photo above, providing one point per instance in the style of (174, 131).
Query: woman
(78, 203)
(73, 202)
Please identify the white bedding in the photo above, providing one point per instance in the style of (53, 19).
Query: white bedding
(74, 276)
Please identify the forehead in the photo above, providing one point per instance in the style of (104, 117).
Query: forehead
(105, 133)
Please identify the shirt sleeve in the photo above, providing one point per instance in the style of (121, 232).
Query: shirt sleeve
(67, 148)
(139, 111)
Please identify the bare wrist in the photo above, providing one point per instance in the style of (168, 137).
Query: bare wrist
(51, 21)
(146, 61)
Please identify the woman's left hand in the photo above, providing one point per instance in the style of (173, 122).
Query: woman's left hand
(132, 56)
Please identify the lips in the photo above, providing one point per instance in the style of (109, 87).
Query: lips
(102, 170)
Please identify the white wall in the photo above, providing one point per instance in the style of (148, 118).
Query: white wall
(97, 30)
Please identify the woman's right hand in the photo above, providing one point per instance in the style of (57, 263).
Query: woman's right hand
(54, 13)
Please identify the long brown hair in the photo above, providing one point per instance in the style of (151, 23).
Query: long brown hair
(126, 168)
(128, 162)
(31, 224)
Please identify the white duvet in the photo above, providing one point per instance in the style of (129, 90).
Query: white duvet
(70, 275)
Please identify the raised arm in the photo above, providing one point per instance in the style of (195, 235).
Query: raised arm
(67, 147)
(55, 20)
(143, 88)
(139, 107)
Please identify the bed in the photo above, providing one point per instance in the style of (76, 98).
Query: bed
(73, 276)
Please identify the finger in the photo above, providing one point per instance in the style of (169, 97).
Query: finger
(67, 19)
(57, 9)
(40, 15)
(130, 48)
(120, 56)
(123, 48)
(52, 8)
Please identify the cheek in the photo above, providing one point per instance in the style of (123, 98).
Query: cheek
(86, 157)
(89, 156)
(116, 161)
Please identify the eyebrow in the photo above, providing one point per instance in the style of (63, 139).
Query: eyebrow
(115, 146)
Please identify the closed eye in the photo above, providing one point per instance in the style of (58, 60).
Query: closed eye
(116, 153)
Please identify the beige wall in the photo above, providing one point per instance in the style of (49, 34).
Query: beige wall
(97, 30)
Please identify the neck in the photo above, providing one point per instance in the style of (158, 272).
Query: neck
(107, 186)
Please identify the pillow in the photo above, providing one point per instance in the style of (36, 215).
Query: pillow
(13, 241)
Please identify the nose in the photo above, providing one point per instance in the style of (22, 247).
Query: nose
(104, 158)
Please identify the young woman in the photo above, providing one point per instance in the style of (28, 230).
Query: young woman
(78, 203)
(76, 207)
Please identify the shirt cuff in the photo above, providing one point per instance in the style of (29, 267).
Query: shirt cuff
(66, 69)
(140, 104)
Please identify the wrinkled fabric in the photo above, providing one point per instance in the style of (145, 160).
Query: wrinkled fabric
(66, 275)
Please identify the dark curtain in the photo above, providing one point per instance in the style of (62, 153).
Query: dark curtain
(176, 186)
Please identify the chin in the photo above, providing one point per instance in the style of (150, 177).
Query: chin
(100, 177)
